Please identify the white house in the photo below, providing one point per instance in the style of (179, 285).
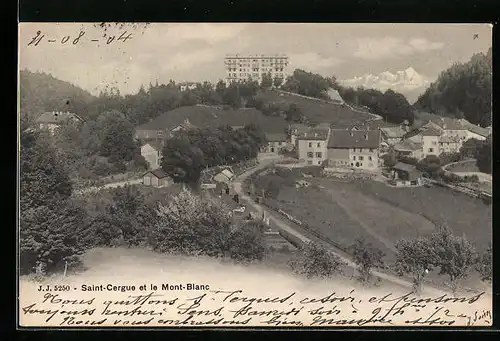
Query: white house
(54, 119)
(312, 145)
(151, 151)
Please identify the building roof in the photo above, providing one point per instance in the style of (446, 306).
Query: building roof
(407, 145)
(159, 173)
(431, 131)
(276, 137)
(341, 138)
(335, 96)
(485, 132)
(404, 167)
(155, 144)
(57, 117)
(213, 117)
(393, 132)
(317, 133)
(227, 173)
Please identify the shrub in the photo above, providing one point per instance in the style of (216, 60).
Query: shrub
(484, 265)
(246, 243)
(316, 261)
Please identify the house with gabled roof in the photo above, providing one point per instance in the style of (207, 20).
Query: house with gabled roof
(276, 142)
(311, 145)
(156, 178)
(54, 119)
(355, 149)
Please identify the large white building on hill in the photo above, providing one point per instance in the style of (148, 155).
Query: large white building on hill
(244, 67)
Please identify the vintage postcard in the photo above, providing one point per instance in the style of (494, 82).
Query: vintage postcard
(255, 175)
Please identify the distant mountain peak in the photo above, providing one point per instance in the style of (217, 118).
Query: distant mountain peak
(407, 82)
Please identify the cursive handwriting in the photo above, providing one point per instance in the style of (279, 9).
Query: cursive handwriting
(236, 308)
(81, 36)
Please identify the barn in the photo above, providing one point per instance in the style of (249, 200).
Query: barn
(156, 178)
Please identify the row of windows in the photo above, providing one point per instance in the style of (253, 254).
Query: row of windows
(360, 150)
(361, 158)
(311, 144)
(309, 162)
(311, 154)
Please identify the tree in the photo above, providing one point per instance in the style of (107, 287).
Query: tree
(267, 81)
(118, 142)
(414, 257)
(43, 179)
(246, 242)
(182, 161)
(277, 82)
(190, 225)
(484, 265)
(431, 164)
(294, 114)
(483, 157)
(470, 148)
(308, 84)
(316, 261)
(366, 257)
(454, 255)
(462, 90)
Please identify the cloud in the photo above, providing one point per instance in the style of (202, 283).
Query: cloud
(312, 61)
(389, 47)
(209, 33)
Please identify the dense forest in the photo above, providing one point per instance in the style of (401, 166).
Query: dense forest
(462, 91)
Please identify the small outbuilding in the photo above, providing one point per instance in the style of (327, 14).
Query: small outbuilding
(405, 174)
(156, 178)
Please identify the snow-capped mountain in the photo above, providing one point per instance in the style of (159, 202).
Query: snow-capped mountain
(407, 82)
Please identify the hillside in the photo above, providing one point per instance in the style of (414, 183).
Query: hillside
(462, 91)
(41, 92)
(319, 111)
(213, 117)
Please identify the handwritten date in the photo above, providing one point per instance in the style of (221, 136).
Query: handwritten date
(79, 38)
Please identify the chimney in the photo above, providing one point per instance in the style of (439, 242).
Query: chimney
(366, 136)
(351, 133)
(315, 134)
(305, 134)
(186, 120)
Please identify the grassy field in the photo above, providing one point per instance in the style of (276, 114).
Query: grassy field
(462, 213)
(318, 111)
(464, 167)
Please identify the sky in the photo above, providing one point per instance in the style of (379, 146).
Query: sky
(195, 51)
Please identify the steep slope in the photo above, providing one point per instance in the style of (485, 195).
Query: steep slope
(462, 91)
(41, 92)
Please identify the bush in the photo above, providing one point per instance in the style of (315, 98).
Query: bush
(316, 261)
(49, 237)
(190, 225)
(484, 265)
(246, 243)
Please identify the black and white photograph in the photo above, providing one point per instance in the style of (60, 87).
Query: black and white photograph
(248, 175)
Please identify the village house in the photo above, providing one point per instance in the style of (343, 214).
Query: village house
(156, 178)
(151, 151)
(225, 176)
(54, 119)
(355, 149)
(393, 135)
(275, 143)
(449, 144)
(409, 148)
(404, 175)
(312, 145)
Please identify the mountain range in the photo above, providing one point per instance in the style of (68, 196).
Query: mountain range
(407, 82)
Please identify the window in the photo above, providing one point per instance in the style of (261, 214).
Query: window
(310, 144)
(310, 154)
(352, 164)
(431, 150)
(319, 162)
(360, 158)
(319, 144)
(369, 158)
(318, 154)
(354, 150)
(371, 150)
(272, 149)
(434, 143)
(309, 162)
(361, 150)
(354, 157)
